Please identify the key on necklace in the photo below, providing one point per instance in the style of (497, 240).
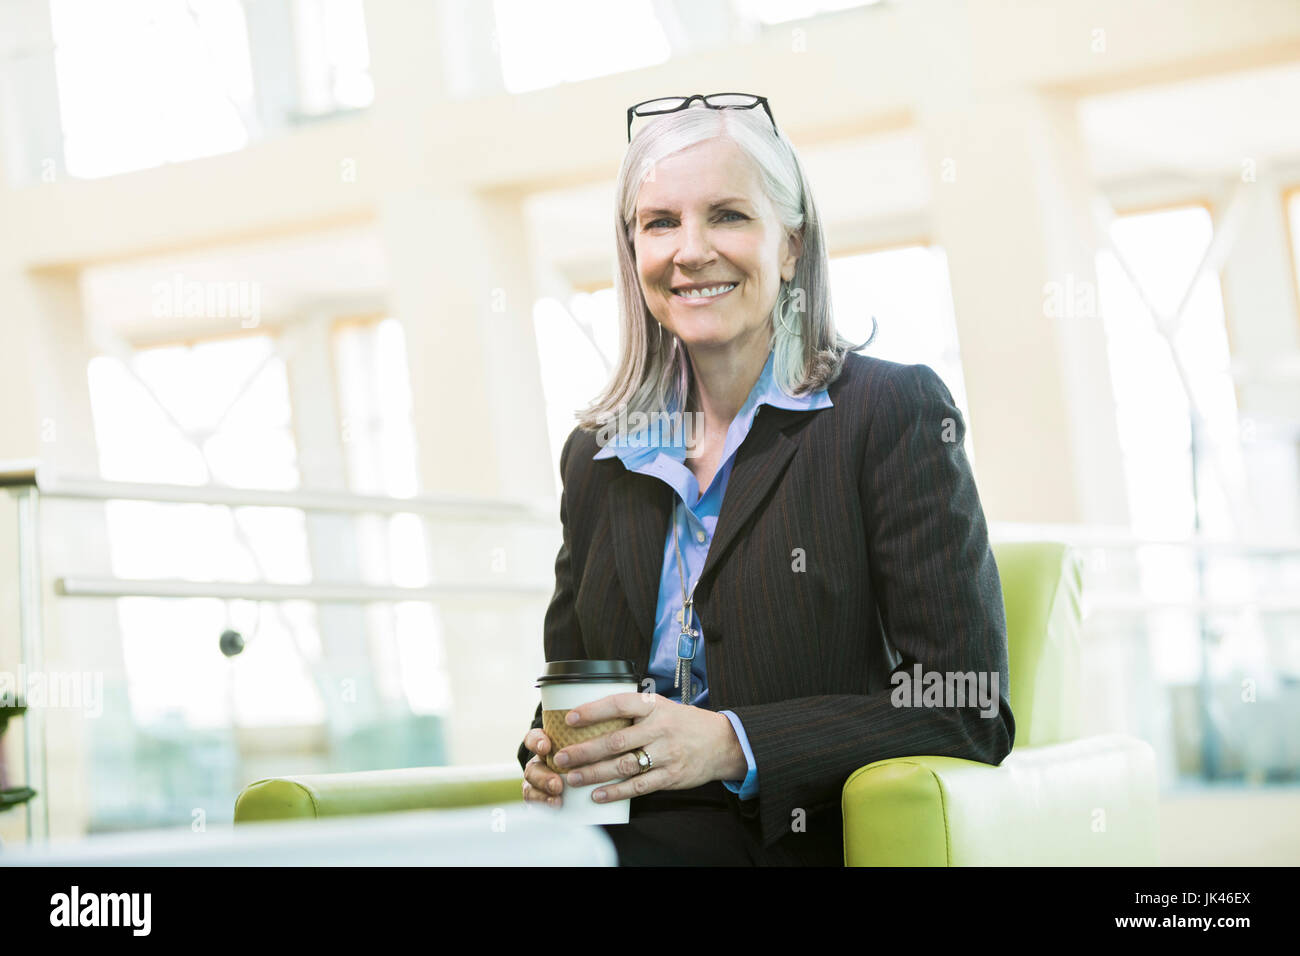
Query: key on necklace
(686, 646)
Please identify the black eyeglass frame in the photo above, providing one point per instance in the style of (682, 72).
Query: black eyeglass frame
(688, 100)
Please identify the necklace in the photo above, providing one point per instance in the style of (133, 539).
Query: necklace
(687, 640)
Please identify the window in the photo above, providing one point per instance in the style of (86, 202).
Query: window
(577, 347)
(220, 412)
(146, 83)
(545, 44)
(1163, 250)
(907, 291)
(1200, 660)
(380, 451)
(333, 56)
(375, 400)
(214, 412)
(782, 11)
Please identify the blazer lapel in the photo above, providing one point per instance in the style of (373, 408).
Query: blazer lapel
(760, 460)
(640, 506)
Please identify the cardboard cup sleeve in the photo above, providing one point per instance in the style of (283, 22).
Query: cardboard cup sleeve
(562, 735)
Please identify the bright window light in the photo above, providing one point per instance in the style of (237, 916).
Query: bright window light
(380, 449)
(545, 44)
(782, 11)
(333, 56)
(147, 82)
(575, 369)
(1163, 250)
(375, 401)
(907, 291)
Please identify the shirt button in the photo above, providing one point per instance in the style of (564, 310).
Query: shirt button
(699, 536)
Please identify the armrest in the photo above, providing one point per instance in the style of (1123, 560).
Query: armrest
(379, 791)
(1086, 802)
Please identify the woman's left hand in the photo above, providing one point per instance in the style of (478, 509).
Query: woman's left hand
(689, 746)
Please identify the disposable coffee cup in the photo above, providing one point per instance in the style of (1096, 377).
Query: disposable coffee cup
(569, 684)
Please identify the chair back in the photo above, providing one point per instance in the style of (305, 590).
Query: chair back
(1042, 585)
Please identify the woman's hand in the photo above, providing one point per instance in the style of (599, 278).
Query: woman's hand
(541, 783)
(689, 746)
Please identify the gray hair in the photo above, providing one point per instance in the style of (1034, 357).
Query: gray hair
(653, 369)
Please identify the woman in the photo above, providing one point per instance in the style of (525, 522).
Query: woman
(852, 545)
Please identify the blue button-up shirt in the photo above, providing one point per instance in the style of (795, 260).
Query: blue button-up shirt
(695, 517)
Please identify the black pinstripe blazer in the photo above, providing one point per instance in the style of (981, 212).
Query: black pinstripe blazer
(851, 542)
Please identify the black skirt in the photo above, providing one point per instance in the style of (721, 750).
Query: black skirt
(698, 827)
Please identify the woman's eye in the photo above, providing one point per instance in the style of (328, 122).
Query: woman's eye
(729, 212)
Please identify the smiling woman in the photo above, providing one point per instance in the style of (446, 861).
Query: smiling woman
(710, 197)
(852, 540)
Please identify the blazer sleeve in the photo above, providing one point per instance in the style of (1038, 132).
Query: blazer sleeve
(940, 599)
(562, 638)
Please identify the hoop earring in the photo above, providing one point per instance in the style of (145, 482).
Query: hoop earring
(781, 302)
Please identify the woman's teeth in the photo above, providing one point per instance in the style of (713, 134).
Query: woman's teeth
(705, 293)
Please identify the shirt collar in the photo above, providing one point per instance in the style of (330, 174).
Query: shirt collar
(647, 442)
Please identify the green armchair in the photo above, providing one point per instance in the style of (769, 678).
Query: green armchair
(1056, 798)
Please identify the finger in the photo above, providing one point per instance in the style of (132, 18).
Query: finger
(637, 786)
(533, 795)
(537, 741)
(604, 747)
(543, 782)
(632, 705)
(543, 778)
(623, 765)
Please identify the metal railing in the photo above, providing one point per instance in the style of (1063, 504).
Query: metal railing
(27, 483)
(1096, 538)
(442, 507)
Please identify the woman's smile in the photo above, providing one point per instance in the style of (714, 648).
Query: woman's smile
(699, 297)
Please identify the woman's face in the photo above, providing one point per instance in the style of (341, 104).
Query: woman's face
(703, 220)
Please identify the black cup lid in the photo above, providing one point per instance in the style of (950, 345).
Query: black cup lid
(584, 672)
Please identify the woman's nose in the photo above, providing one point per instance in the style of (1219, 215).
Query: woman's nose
(695, 248)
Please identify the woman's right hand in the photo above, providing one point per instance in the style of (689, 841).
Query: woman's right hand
(541, 783)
